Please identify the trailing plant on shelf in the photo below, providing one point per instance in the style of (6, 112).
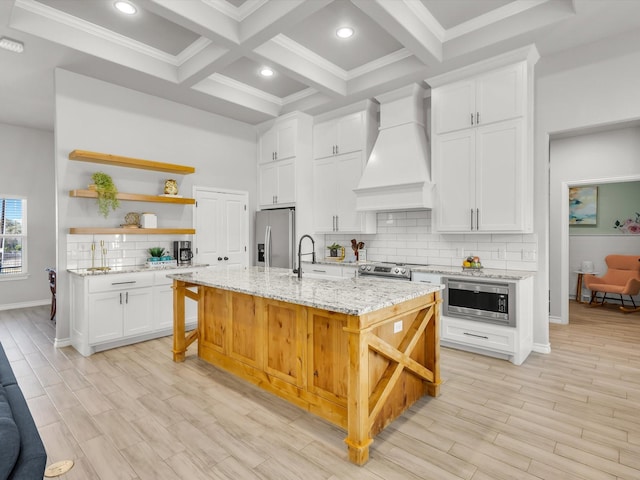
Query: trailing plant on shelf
(107, 193)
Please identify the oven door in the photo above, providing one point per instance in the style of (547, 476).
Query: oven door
(480, 301)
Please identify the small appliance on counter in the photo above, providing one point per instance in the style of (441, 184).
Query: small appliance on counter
(182, 252)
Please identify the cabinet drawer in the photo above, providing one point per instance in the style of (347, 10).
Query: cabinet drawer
(111, 282)
(496, 339)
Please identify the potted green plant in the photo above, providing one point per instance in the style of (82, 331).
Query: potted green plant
(156, 253)
(333, 249)
(107, 193)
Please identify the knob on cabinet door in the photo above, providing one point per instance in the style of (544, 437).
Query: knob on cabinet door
(226, 258)
(219, 259)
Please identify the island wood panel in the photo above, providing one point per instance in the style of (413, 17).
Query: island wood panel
(307, 356)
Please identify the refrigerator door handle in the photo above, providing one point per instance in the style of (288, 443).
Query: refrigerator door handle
(267, 246)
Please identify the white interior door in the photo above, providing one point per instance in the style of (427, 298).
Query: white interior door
(221, 222)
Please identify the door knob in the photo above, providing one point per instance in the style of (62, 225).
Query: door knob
(226, 258)
(219, 259)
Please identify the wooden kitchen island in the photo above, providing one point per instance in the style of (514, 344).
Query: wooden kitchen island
(354, 351)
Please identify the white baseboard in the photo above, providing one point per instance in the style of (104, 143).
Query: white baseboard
(542, 348)
(558, 320)
(62, 342)
(34, 303)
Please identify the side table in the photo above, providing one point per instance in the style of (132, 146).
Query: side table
(579, 284)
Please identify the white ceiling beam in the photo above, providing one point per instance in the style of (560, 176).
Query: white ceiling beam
(295, 61)
(400, 20)
(51, 24)
(230, 91)
(200, 18)
(509, 27)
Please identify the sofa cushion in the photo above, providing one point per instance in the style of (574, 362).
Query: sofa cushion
(9, 437)
(6, 373)
(32, 458)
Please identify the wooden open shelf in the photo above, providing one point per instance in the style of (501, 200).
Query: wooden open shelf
(105, 158)
(131, 231)
(135, 197)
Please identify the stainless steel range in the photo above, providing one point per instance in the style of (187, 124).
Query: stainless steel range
(401, 271)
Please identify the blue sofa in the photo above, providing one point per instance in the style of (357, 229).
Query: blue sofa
(22, 454)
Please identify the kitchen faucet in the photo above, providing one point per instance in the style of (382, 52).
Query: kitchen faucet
(313, 253)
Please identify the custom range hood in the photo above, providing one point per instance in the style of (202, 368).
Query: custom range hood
(397, 175)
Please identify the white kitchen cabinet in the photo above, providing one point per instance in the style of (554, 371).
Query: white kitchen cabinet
(479, 179)
(334, 179)
(488, 98)
(510, 343)
(111, 310)
(482, 149)
(277, 183)
(279, 141)
(341, 135)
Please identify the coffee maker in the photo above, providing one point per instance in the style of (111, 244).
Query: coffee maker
(182, 252)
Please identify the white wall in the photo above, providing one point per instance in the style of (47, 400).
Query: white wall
(583, 158)
(591, 86)
(27, 170)
(101, 117)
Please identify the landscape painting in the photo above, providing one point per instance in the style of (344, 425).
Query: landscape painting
(583, 205)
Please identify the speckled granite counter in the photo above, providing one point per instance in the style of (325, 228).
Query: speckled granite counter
(481, 273)
(83, 272)
(353, 295)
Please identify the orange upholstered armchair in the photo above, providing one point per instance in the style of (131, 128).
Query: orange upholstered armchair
(622, 278)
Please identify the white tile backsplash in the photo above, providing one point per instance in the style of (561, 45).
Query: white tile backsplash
(407, 237)
(122, 250)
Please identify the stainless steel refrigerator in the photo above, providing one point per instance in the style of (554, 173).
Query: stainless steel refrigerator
(275, 238)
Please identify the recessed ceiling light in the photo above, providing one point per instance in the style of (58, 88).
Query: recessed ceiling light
(344, 32)
(11, 45)
(266, 72)
(126, 7)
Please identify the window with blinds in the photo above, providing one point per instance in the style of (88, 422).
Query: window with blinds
(13, 236)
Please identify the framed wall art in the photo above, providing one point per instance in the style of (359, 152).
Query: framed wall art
(583, 205)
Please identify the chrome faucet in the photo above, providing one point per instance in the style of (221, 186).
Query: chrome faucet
(313, 253)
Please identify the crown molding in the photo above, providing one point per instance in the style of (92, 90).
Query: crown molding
(236, 13)
(379, 63)
(427, 19)
(244, 88)
(303, 52)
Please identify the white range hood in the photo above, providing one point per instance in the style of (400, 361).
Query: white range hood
(397, 175)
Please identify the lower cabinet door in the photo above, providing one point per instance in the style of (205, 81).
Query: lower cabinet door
(105, 316)
(138, 308)
(163, 308)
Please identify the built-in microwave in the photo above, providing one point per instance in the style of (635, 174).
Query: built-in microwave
(480, 300)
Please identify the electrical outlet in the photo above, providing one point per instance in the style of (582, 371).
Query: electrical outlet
(397, 326)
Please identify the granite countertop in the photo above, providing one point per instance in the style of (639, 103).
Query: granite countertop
(480, 273)
(352, 295)
(83, 272)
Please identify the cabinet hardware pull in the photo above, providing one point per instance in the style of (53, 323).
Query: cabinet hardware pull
(319, 271)
(126, 297)
(226, 258)
(477, 118)
(123, 283)
(337, 223)
(477, 336)
(219, 259)
(337, 149)
(120, 298)
(472, 118)
(471, 217)
(477, 219)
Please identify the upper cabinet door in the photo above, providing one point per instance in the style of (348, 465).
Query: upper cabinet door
(324, 136)
(350, 133)
(268, 146)
(286, 139)
(453, 106)
(500, 95)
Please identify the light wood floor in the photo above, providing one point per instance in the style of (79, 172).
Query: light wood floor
(131, 413)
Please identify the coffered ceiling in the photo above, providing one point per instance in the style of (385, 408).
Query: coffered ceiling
(208, 53)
